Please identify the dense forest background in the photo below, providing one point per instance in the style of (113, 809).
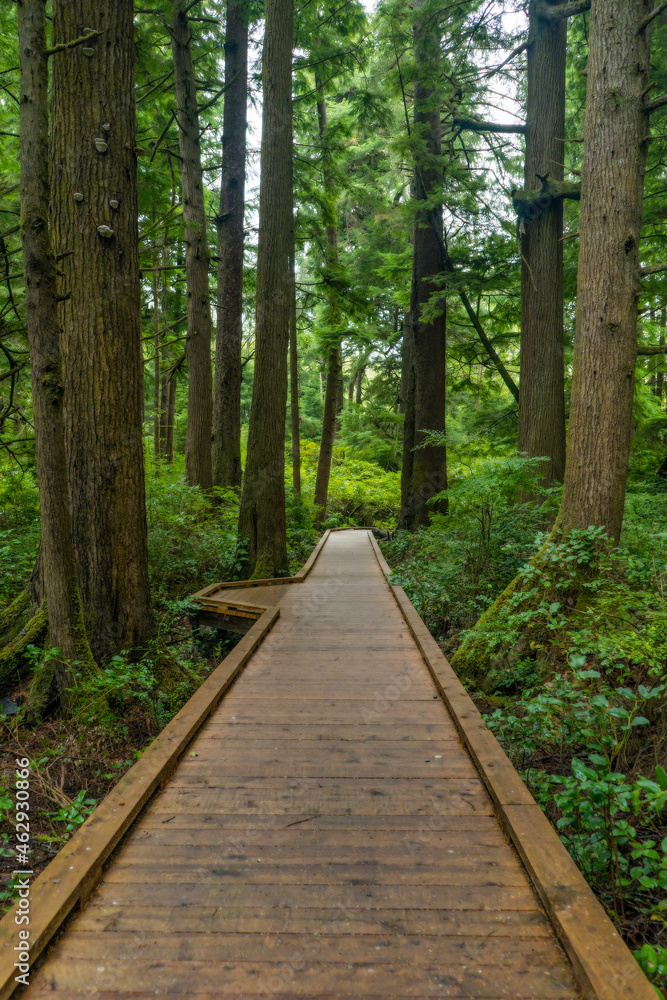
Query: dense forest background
(271, 268)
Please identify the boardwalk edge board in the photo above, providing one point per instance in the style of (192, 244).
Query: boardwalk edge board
(603, 965)
(299, 577)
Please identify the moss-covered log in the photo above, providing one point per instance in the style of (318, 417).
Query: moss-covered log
(21, 625)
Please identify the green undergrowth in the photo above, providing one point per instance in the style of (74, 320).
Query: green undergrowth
(19, 530)
(360, 492)
(453, 570)
(570, 673)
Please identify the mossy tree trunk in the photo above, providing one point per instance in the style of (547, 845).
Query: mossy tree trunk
(57, 562)
(262, 520)
(199, 428)
(605, 342)
(407, 408)
(334, 379)
(541, 429)
(229, 332)
(428, 474)
(94, 206)
(294, 382)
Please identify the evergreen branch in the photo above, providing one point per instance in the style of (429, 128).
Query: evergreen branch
(515, 52)
(649, 17)
(653, 269)
(657, 102)
(162, 135)
(555, 12)
(75, 41)
(204, 107)
(472, 125)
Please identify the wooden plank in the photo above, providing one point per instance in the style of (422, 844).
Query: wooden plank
(604, 967)
(226, 872)
(462, 797)
(250, 733)
(345, 897)
(355, 826)
(374, 949)
(303, 841)
(517, 925)
(283, 711)
(304, 978)
(77, 867)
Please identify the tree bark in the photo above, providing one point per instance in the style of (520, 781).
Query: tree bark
(94, 135)
(229, 333)
(605, 344)
(334, 383)
(57, 561)
(294, 383)
(157, 381)
(660, 368)
(407, 408)
(198, 462)
(429, 463)
(360, 382)
(542, 378)
(262, 514)
(334, 376)
(171, 417)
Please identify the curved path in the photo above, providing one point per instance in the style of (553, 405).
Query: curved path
(325, 835)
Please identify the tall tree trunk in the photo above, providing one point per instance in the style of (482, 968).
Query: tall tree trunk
(171, 417)
(605, 343)
(360, 381)
(334, 375)
(660, 370)
(198, 467)
(294, 382)
(157, 381)
(334, 383)
(229, 332)
(429, 463)
(407, 408)
(165, 384)
(94, 135)
(262, 515)
(58, 565)
(542, 376)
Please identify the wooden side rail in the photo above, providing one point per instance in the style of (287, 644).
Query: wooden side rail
(603, 965)
(213, 588)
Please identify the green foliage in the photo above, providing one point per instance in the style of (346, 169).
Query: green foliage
(74, 814)
(191, 537)
(19, 530)
(578, 595)
(360, 493)
(453, 570)
(570, 736)
(653, 961)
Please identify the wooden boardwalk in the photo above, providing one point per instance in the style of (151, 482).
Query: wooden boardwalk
(325, 835)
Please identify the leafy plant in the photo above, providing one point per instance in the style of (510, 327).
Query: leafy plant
(74, 814)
